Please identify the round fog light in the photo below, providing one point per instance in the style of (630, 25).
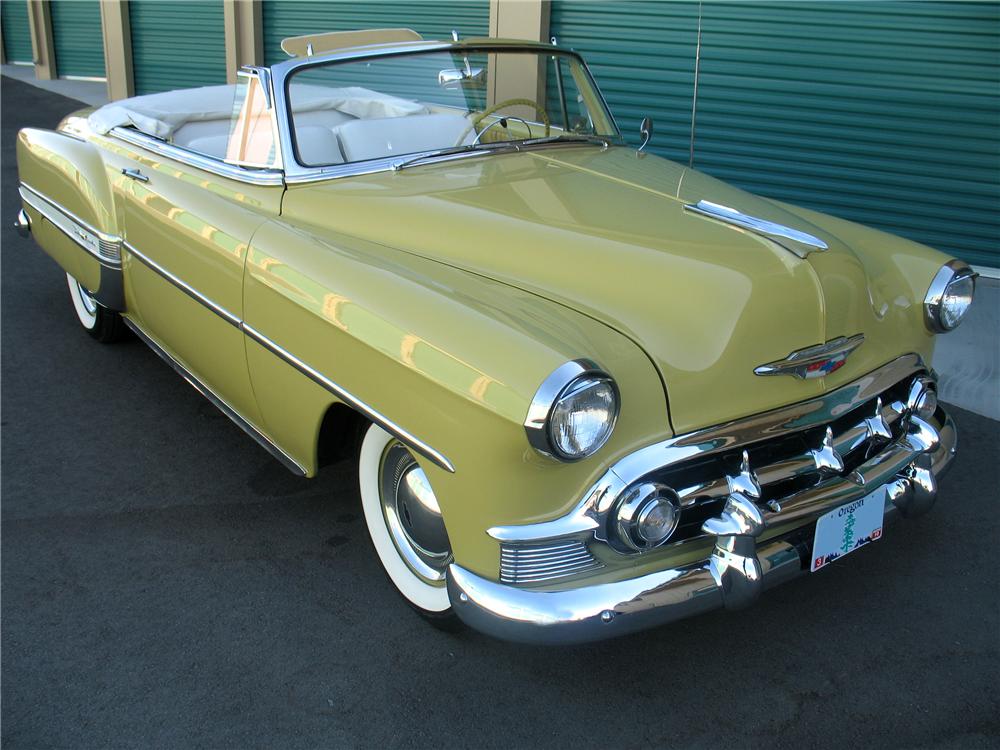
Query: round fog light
(926, 405)
(922, 398)
(657, 521)
(647, 516)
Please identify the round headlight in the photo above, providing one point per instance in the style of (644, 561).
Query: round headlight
(574, 411)
(583, 417)
(949, 297)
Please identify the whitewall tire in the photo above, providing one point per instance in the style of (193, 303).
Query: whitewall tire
(399, 509)
(101, 323)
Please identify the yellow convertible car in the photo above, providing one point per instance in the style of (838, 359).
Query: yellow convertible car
(588, 390)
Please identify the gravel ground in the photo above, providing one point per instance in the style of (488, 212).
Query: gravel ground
(166, 583)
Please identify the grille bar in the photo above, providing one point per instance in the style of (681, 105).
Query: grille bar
(534, 563)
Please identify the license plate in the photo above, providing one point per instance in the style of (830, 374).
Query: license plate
(847, 528)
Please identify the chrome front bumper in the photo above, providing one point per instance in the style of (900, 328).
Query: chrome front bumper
(730, 577)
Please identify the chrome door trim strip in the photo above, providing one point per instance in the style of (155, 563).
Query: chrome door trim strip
(290, 463)
(74, 227)
(347, 397)
(794, 241)
(199, 161)
(193, 293)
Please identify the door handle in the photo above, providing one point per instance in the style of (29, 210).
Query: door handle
(135, 174)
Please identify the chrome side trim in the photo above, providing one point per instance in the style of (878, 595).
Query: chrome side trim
(106, 248)
(795, 241)
(101, 245)
(814, 361)
(199, 161)
(344, 395)
(401, 434)
(193, 293)
(585, 516)
(225, 408)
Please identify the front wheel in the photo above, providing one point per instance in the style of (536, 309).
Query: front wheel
(405, 525)
(101, 323)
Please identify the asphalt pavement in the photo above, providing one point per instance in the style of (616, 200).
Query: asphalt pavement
(166, 583)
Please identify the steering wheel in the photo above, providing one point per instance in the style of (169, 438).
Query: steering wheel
(539, 110)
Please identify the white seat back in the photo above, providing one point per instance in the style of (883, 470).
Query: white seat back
(361, 140)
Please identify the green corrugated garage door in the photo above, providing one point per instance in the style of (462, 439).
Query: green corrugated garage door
(884, 113)
(177, 44)
(16, 31)
(76, 34)
(432, 20)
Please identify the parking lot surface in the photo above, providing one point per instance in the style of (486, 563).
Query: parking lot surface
(166, 583)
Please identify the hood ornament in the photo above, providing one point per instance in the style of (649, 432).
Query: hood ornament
(794, 241)
(814, 361)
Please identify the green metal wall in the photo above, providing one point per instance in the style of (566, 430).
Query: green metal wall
(76, 34)
(887, 113)
(16, 31)
(433, 20)
(178, 44)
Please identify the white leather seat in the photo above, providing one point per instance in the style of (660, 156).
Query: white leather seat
(361, 140)
(211, 145)
(317, 146)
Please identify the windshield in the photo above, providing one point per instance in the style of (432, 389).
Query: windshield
(386, 107)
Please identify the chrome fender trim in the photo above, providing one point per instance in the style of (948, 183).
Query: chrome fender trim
(106, 248)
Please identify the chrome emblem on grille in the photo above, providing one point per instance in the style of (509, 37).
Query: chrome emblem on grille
(814, 361)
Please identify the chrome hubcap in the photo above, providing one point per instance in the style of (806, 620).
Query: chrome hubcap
(412, 514)
(89, 303)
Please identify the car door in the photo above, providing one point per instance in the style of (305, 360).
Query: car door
(188, 220)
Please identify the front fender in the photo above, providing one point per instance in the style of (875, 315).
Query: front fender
(449, 356)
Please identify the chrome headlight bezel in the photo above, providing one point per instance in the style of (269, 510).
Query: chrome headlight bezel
(950, 273)
(565, 381)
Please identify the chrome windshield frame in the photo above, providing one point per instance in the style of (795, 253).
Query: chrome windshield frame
(295, 172)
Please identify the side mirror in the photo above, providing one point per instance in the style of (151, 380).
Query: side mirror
(646, 131)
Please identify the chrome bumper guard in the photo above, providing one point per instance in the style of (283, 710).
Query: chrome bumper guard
(734, 574)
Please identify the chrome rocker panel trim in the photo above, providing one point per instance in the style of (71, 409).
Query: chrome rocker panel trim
(106, 248)
(607, 610)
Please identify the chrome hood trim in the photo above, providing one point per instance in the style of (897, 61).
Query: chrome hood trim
(793, 240)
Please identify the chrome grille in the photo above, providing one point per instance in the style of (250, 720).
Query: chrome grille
(543, 562)
(782, 466)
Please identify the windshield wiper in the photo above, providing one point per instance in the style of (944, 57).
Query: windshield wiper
(601, 140)
(477, 149)
(472, 149)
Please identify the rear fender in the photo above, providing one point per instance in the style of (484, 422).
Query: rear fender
(66, 194)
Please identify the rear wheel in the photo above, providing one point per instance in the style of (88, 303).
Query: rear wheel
(405, 525)
(101, 323)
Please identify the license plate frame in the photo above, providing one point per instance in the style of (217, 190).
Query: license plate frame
(848, 528)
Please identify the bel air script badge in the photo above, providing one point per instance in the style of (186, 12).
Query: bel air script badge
(814, 361)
